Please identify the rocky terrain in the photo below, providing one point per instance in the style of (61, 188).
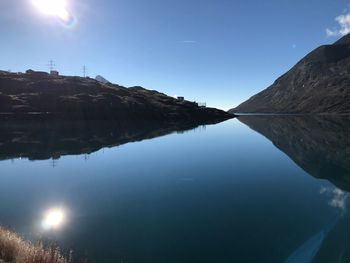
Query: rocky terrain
(319, 83)
(39, 95)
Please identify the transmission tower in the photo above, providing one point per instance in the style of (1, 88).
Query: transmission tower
(51, 65)
(84, 71)
(53, 162)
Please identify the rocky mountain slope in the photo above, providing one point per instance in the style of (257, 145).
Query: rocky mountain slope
(38, 95)
(319, 83)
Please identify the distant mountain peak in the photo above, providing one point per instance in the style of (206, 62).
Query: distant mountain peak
(101, 79)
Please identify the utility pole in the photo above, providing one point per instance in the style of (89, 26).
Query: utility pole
(51, 65)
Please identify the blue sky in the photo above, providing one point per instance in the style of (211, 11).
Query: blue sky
(215, 51)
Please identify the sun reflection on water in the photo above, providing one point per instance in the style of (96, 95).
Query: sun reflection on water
(53, 219)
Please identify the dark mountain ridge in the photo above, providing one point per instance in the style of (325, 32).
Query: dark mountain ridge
(317, 84)
(39, 95)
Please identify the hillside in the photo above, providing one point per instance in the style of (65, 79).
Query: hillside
(38, 95)
(319, 83)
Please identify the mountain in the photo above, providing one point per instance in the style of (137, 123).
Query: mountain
(319, 83)
(38, 95)
(99, 78)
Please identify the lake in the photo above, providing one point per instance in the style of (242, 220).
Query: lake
(253, 189)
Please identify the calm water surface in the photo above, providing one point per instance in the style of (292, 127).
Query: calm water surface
(258, 189)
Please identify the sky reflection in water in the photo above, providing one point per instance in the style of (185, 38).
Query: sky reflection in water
(222, 194)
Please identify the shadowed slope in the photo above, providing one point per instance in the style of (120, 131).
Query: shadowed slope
(38, 95)
(319, 83)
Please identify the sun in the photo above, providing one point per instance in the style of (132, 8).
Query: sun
(56, 8)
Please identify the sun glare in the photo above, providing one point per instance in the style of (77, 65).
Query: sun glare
(56, 8)
(53, 219)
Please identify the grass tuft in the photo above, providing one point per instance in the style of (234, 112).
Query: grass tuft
(14, 249)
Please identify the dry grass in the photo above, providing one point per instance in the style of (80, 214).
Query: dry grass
(14, 249)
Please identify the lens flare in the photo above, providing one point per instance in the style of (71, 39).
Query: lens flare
(55, 8)
(50, 7)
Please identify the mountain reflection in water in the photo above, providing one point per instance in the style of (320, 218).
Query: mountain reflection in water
(46, 140)
(320, 145)
(223, 195)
